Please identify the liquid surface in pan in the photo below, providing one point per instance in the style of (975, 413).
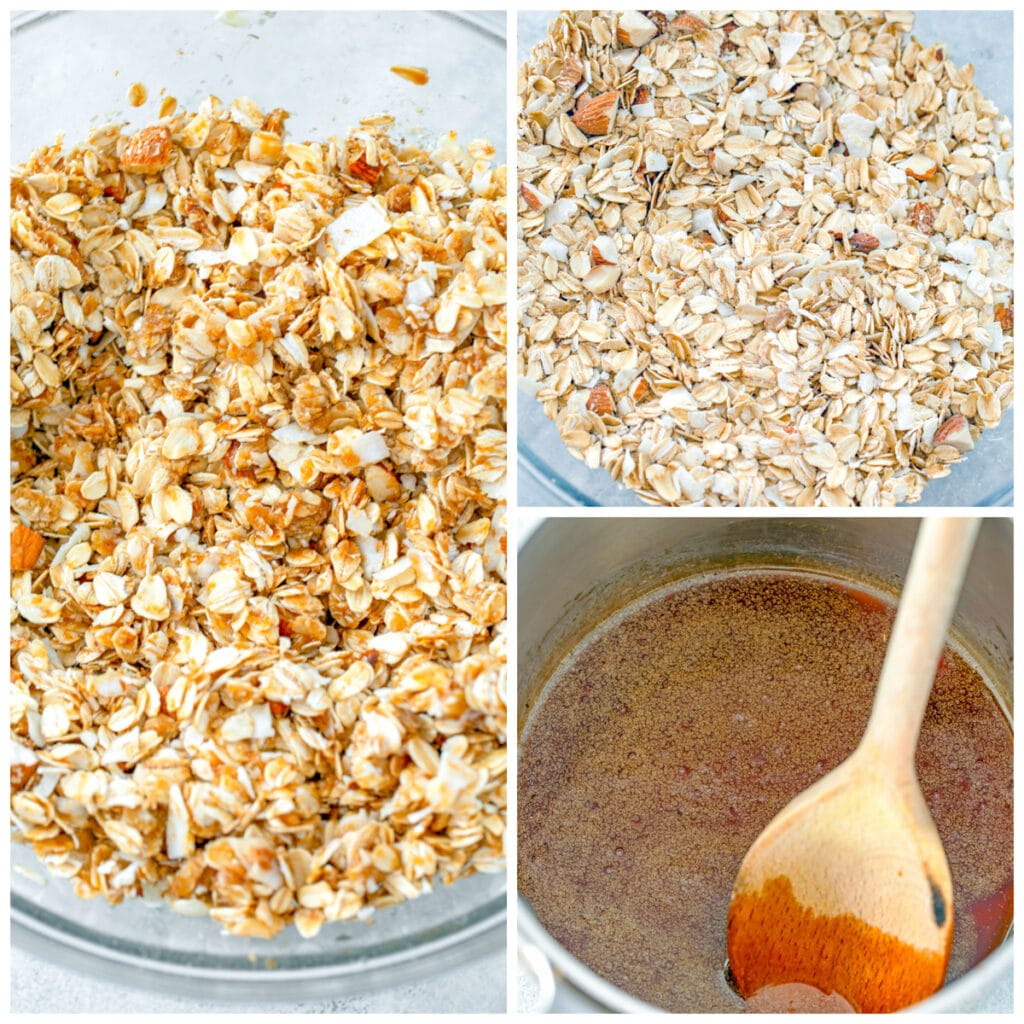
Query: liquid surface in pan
(666, 742)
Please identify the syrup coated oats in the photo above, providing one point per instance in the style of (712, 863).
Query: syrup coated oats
(259, 474)
(765, 258)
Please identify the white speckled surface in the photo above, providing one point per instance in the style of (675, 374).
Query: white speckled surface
(553, 477)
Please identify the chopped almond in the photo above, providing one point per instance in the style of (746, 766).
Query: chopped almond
(861, 241)
(955, 432)
(688, 23)
(920, 167)
(600, 401)
(359, 168)
(26, 547)
(595, 115)
(148, 151)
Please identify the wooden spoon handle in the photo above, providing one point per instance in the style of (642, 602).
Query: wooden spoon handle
(937, 570)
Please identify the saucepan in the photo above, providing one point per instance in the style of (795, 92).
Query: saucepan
(575, 572)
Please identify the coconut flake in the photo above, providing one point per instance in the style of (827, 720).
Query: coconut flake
(704, 220)
(677, 398)
(856, 132)
(789, 43)
(552, 247)
(156, 197)
(656, 162)
(418, 290)
(908, 300)
(357, 227)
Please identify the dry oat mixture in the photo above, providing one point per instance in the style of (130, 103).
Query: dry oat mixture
(765, 258)
(258, 560)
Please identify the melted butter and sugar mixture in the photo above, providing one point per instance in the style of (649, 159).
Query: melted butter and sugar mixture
(674, 733)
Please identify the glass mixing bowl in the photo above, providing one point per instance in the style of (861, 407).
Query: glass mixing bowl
(328, 70)
(549, 475)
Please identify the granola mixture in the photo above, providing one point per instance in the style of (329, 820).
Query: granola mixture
(765, 258)
(258, 623)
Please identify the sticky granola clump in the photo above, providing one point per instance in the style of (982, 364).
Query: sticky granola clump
(809, 216)
(259, 474)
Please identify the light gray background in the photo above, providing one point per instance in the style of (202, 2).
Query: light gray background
(466, 92)
(983, 38)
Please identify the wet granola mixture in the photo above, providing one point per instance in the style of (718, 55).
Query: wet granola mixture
(649, 766)
(258, 461)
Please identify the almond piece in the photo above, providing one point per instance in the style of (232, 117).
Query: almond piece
(641, 96)
(418, 76)
(728, 46)
(634, 29)
(359, 168)
(26, 547)
(920, 167)
(861, 241)
(687, 23)
(603, 250)
(570, 75)
(955, 432)
(602, 278)
(600, 401)
(534, 198)
(148, 151)
(595, 115)
(922, 216)
(640, 389)
(1004, 317)
(660, 20)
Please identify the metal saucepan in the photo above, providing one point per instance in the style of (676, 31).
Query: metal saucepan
(573, 573)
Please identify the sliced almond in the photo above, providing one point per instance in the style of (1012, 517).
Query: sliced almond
(595, 115)
(602, 278)
(418, 76)
(640, 389)
(1004, 317)
(956, 432)
(919, 167)
(634, 29)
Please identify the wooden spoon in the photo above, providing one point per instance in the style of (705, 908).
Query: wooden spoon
(848, 889)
